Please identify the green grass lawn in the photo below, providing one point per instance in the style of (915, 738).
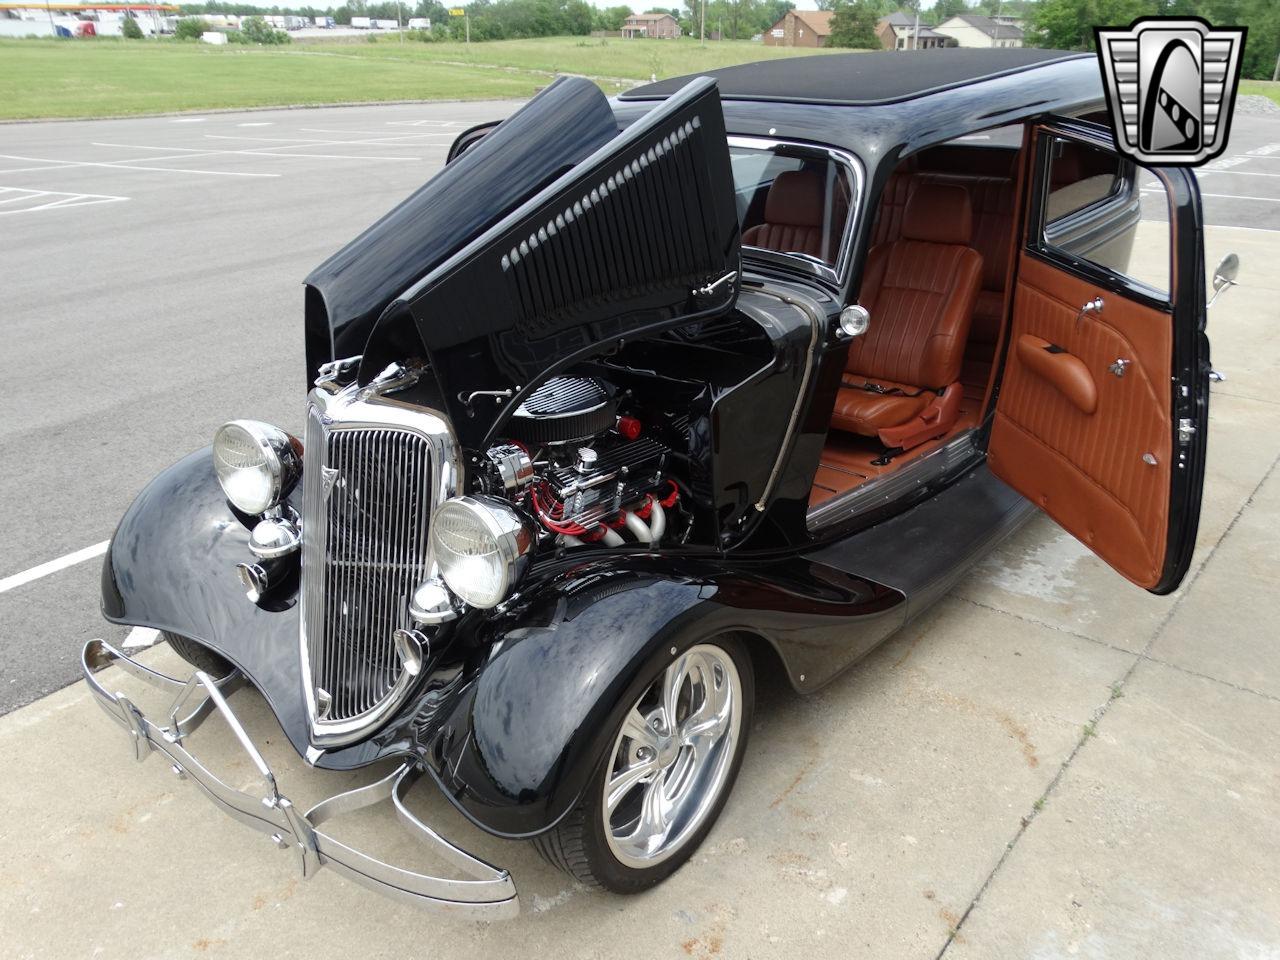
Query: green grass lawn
(1264, 87)
(105, 77)
(603, 58)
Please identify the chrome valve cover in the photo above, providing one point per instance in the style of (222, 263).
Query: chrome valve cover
(374, 470)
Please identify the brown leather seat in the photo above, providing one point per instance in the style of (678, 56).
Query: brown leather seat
(901, 379)
(793, 213)
(991, 199)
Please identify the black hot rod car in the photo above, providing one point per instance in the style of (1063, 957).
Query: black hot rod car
(637, 395)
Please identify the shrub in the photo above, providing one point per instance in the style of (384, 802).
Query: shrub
(189, 28)
(255, 30)
(130, 29)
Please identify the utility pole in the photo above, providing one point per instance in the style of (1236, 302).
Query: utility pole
(399, 22)
(995, 32)
(702, 30)
(49, 11)
(915, 37)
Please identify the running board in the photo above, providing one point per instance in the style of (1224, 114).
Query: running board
(925, 551)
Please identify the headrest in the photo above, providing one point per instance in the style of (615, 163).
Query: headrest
(938, 213)
(796, 198)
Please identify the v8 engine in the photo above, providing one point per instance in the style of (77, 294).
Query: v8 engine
(590, 470)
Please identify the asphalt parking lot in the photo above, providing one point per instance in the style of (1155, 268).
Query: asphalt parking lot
(1052, 763)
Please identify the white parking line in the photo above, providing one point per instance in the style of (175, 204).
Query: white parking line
(140, 637)
(49, 164)
(53, 566)
(1239, 173)
(256, 123)
(375, 133)
(47, 199)
(1220, 196)
(288, 143)
(424, 123)
(250, 153)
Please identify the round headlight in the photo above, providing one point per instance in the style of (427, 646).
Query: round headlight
(481, 545)
(257, 464)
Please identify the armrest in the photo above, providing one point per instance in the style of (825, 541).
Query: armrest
(1065, 371)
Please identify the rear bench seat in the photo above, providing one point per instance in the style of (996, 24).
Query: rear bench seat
(991, 199)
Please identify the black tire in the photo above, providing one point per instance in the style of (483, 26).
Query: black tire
(198, 655)
(578, 845)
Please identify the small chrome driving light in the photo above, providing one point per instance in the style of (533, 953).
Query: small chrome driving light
(855, 320)
(412, 647)
(253, 577)
(431, 604)
(482, 546)
(257, 464)
(274, 537)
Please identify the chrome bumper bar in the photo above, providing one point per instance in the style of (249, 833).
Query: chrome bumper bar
(489, 895)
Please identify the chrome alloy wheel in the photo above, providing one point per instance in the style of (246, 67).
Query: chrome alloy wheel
(672, 758)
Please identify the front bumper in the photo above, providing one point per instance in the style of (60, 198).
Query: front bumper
(490, 894)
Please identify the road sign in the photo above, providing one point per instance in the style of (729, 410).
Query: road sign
(457, 11)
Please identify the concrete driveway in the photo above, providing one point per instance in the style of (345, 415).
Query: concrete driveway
(1051, 764)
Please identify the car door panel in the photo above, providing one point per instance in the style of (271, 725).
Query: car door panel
(1103, 400)
(1087, 470)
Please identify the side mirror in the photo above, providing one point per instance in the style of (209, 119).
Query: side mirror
(1224, 276)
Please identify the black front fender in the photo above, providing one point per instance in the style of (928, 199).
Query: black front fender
(522, 744)
(172, 566)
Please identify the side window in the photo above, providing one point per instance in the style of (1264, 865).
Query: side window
(793, 200)
(1105, 211)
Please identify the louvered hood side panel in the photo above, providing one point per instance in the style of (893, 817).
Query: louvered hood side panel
(644, 233)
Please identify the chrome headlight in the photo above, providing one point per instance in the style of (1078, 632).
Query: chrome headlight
(481, 545)
(257, 464)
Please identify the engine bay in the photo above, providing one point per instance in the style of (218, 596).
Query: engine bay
(618, 450)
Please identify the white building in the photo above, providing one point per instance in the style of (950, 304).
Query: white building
(975, 30)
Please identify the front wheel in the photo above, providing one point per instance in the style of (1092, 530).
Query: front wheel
(674, 760)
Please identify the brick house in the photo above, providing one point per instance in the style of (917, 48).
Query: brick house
(800, 28)
(661, 25)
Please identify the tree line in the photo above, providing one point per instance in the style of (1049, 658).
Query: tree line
(1068, 24)
(1060, 24)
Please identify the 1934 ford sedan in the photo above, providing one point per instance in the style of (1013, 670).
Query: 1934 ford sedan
(635, 397)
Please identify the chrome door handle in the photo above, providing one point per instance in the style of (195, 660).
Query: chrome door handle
(1093, 306)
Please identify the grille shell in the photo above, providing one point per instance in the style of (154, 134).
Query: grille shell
(374, 471)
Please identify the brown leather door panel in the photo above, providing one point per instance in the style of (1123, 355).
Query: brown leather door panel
(1104, 476)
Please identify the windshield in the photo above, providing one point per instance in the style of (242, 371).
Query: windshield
(794, 200)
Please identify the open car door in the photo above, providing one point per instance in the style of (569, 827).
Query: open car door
(1102, 413)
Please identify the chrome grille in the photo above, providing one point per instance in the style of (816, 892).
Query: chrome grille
(365, 550)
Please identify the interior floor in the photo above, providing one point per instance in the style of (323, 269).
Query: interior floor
(987, 173)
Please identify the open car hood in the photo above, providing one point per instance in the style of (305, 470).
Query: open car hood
(349, 291)
(552, 236)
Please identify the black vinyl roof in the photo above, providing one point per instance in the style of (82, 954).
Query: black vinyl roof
(862, 78)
